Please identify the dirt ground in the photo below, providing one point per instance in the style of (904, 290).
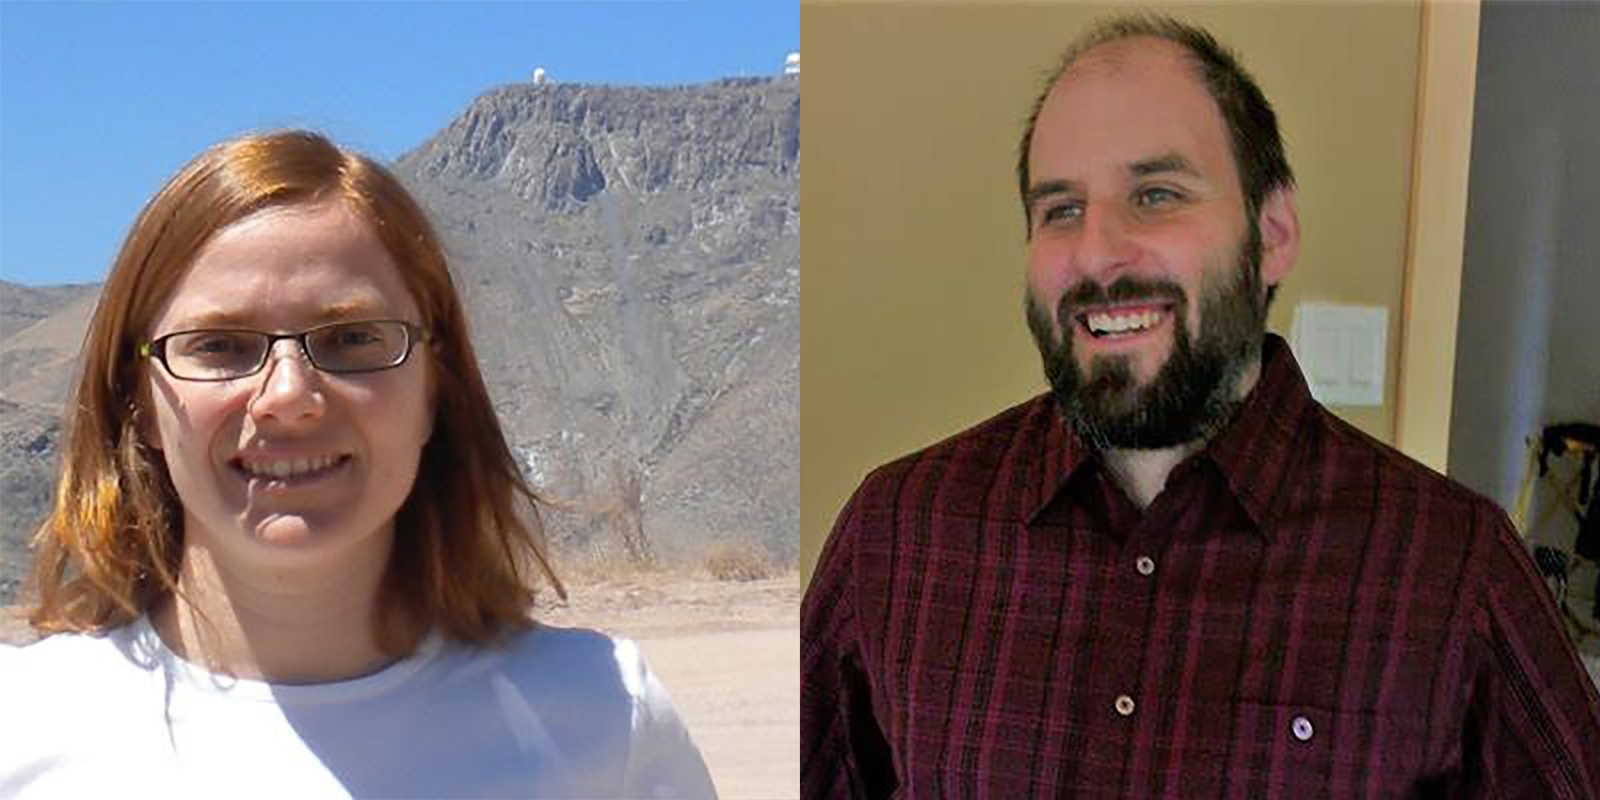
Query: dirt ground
(729, 652)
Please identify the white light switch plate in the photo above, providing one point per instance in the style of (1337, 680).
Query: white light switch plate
(1341, 350)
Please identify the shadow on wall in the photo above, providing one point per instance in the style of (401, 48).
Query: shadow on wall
(1531, 272)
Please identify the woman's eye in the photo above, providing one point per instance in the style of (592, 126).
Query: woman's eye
(351, 336)
(354, 338)
(215, 345)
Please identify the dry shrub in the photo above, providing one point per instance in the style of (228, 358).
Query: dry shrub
(602, 562)
(737, 561)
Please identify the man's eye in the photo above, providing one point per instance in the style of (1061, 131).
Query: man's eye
(1062, 212)
(1156, 196)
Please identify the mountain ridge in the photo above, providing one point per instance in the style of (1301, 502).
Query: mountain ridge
(629, 257)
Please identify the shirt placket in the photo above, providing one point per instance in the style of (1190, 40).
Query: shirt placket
(1120, 706)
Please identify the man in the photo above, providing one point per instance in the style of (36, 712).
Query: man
(1176, 575)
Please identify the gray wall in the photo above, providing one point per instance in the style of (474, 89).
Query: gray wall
(1528, 348)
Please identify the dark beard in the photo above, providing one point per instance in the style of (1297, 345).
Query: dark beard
(1192, 396)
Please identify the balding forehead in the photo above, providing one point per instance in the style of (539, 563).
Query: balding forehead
(1120, 56)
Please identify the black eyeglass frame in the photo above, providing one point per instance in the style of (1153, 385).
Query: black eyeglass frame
(157, 348)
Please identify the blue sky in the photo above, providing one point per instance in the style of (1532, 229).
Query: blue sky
(100, 102)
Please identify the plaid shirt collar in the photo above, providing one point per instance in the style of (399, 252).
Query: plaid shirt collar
(1256, 453)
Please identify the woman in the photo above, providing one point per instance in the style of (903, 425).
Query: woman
(291, 553)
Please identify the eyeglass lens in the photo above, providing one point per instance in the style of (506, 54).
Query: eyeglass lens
(342, 347)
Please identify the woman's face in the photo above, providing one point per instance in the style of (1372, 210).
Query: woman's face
(291, 466)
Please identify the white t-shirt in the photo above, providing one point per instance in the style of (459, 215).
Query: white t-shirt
(554, 712)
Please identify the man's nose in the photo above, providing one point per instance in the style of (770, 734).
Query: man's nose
(1106, 243)
(290, 387)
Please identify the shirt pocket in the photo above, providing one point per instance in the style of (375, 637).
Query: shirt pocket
(1309, 750)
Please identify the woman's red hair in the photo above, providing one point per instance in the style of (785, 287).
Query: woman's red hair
(467, 540)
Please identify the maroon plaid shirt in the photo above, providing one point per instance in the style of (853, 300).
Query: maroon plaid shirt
(1302, 613)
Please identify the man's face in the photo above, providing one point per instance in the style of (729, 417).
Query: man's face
(1195, 390)
(1144, 283)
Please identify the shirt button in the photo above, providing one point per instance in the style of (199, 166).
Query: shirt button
(1302, 729)
(1124, 705)
(1145, 564)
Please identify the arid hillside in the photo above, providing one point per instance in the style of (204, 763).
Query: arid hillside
(630, 258)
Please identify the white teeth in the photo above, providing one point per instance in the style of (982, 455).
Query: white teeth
(1101, 322)
(287, 468)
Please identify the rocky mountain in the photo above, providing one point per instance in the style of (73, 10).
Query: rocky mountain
(630, 258)
(41, 329)
(22, 306)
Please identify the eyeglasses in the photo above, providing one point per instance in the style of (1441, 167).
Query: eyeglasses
(340, 347)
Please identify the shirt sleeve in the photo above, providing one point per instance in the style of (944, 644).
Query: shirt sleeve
(663, 762)
(843, 752)
(1533, 722)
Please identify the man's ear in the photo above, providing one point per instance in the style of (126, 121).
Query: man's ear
(1279, 223)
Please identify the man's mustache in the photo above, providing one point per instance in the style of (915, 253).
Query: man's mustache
(1127, 289)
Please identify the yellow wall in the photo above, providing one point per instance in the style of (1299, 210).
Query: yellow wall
(912, 242)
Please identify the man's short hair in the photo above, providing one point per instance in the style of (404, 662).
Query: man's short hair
(1252, 125)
